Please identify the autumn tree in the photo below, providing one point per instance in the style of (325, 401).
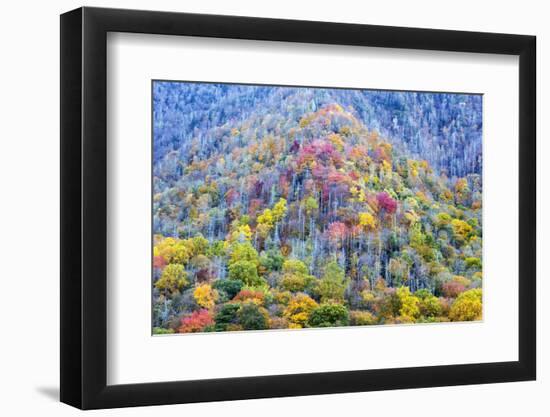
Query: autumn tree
(173, 250)
(173, 279)
(332, 285)
(299, 310)
(267, 220)
(243, 251)
(409, 308)
(330, 208)
(295, 276)
(205, 296)
(361, 318)
(429, 304)
(367, 221)
(197, 321)
(467, 306)
(462, 231)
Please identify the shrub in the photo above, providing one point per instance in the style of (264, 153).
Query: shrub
(368, 297)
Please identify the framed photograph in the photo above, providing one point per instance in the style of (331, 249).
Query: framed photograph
(257, 208)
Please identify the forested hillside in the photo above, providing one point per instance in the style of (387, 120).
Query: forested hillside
(297, 207)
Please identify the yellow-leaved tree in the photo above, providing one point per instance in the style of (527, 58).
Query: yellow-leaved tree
(299, 310)
(269, 217)
(205, 296)
(467, 306)
(173, 279)
(367, 221)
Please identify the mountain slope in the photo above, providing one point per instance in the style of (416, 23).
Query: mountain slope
(307, 207)
(444, 129)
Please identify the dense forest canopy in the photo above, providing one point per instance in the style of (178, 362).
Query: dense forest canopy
(284, 207)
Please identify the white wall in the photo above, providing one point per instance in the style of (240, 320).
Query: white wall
(29, 109)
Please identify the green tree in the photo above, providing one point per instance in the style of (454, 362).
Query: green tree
(429, 304)
(228, 288)
(361, 318)
(294, 266)
(473, 262)
(215, 249)
(253, 317)
(329, 315)
(311, 205)
(332, 285)
(295, 276)
(199, 244)
(247, 272)
(226, 316)
(243, 251)
(160, 330)
(271, 260)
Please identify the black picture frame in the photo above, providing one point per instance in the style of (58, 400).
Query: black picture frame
(84, 207)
